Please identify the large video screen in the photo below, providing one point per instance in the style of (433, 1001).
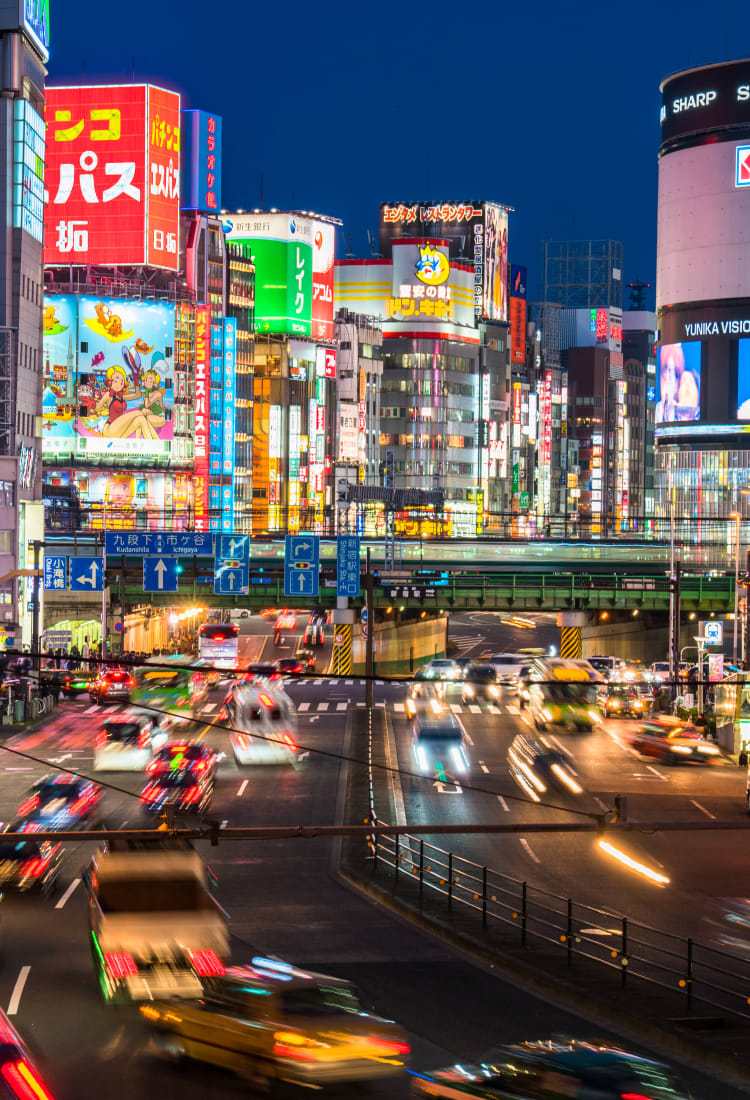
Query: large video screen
(678, 382)
(743, 379)
(108, 376)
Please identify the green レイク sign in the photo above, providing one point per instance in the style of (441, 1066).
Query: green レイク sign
(283, 285)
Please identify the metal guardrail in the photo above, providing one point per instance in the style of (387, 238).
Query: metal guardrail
(526, 915)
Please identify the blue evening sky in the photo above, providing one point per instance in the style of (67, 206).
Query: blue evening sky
(551, 108)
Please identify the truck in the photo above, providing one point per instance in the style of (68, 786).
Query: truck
(155, 928)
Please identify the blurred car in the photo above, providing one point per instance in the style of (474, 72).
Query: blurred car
(270, 1020)
(535, 765)
(290, 666)
(480, 682)
(127, 744)
(264, 727)
(554, 1068)
(61, 801)
(72, 682)
(508, 667)
(111, 684)
(672, 742)
(439, 743)
(264, 669)
(19, 1077)
(29, 864)
(188, 790)
(314, 633)
(286, 621)
(441, 668)
(308, 659)
(184, 756)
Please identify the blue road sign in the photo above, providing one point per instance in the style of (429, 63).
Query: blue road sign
(160, 574)
(302, 565)
(173, 543)
(55, 574)
(347, 565)
(233, 546)
(231, 578)
(86, 575)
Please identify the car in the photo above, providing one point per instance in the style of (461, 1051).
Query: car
(480, 682)
(270, 1021)
(61, 801)
(285, 622)
(441, 668)
(127, 744)
(185, 756)
(19, 1077)
(674, 742)
(308, 658)
(553, 1068)
(535, 764)
(264, 669)
(438, 742)
(29, 864)
(71, 682)
(314, 633)
(609, 667)
(187, 789)
(290, 666)
(111, 684)
(264, 727)
(508, 666)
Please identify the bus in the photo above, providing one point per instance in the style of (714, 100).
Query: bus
(562, 694)
(218, 647)
(171, 684)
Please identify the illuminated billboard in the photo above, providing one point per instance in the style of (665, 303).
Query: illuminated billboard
(707, 98)
(293, 258)
(126, 500)
(430, 295)
(476, 234)
(518, 314)
(28, 169)
(112, 176)
(108, 376)
(743, 379)
(678, 378)
(201, 161)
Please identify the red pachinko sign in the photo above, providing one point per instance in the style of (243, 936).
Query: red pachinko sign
(547, 419)
(112, 176)
(202, 367)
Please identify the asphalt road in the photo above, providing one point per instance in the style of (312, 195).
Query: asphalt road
(283, 901)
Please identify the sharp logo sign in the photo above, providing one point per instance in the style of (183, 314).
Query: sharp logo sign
(742, 167)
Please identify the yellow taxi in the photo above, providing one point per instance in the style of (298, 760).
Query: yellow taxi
(270, 1021)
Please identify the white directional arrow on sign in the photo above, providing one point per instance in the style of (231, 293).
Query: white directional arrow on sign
(300, 546)
(84, 578)
(233, 544)
(160, 569)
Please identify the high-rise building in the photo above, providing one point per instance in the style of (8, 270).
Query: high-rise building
(582, 274)
(639, 372)
(24, 46)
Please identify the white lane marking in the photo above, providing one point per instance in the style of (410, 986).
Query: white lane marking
(399, 708)
(527, 847)
(303, 706)
(19, 769)
(379, 683)
(361, 704)
(15, 997)
(512, 708)
(349, 682)
(703, 809)
(224, 823)
(503, 803)
(342, 706)
(474, 708)
(555, 742)
(210, 708)
(493, 709)
(68, 892)
(313, 717)
(484, 767)
(321, 707)
(656, 773)
(317, 682)
(243, 787)
(457, 708)
(91, 710)
(394, 778)
(468, 738)
(601, 805)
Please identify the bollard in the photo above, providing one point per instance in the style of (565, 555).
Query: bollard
(18, 710)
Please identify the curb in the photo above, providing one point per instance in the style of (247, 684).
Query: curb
(562, 994)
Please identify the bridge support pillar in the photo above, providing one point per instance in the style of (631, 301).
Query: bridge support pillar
(342, 649)
(570, 623)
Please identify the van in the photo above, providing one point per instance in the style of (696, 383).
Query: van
(439, 743)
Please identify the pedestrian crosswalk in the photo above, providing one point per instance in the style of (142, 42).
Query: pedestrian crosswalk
(465, 642)
(468, 708)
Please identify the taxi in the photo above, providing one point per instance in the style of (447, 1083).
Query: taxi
(270, 1021)
(672, 741)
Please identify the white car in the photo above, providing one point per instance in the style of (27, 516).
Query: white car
(265, 726)
(127, 744)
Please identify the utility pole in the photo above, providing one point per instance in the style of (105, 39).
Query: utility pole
(35, 646)
(369, 651)
(674, 625)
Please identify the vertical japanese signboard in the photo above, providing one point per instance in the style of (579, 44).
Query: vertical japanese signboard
(112, 176)
(201, 161)
(518, 314)
(227, 493)
(322, 280)
(163, 224)
(202, 357)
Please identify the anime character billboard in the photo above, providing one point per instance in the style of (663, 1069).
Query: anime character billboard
(122, 398)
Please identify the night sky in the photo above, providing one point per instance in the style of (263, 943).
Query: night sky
(550, 108)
